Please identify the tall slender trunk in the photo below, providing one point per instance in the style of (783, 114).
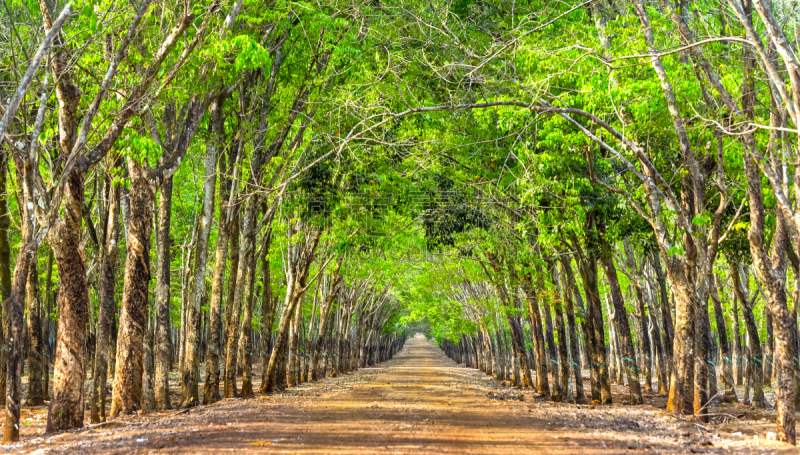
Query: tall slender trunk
(563, 345)
(246, 340)
(105, 318)
(755, 357)
(569, 290)
(211, 387)
(268, 307)
(737, 346)
(48, 326)
(558, 392)
(232, 308)
(594, 326)
(666, 314)
(294, 342)
(148, 381)
(67, 401)
(628, 357)
(35, 342)
(12, 319)
(729, 394)
(324, 334)
(5, 266)
(127, 396)
(772, 272)
(768, 347)
(702, 353)
(190, 374)
(163, 323)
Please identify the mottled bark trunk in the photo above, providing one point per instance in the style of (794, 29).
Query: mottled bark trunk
(127, 395)
(279, 348)
(5, 266)
(246, 342)
(553, 365)
(163, 322)
(67, 400)
(211, 387)
(542, 386)
(772, 272)
(294, 343)
(322, 337)
(148, 381)
(232, 312)
(628, 357)
(35, 342)
(190, 374)
(768, 346)
(681, 390)
(594, 326)
(563, 345)
(755, 355)
(108, 308)
(12, 319)
(666, 314)
(729, 394)
(572, 329)
(702, 356)
(737, 347)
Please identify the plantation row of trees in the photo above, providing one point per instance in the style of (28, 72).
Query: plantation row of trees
(489, 167)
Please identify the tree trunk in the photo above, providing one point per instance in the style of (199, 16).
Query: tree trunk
(148, 386)
(729, 394)
(211, 387)
(127, 396)
(594, 326)
(569, 290)
(772, 272)
(737, 347)
(562, 334)
(35, 342)
(246, 341)
(628, 357)
(756, 356)
(67, 400)
(163, 322)
(768, 346)
(190, 374)
(105, 319)
(232, 309)
(5, 266)
(268, 308)
(666, 314)
(12, 319)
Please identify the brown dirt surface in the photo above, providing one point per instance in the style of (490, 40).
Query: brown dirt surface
(420, 402)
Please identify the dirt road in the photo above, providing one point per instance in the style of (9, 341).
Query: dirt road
(419, 402)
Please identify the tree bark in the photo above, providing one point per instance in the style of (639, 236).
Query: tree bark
(163, 322)
(5, 266)
(569, 288)
(105, 319)
(191, 368)
(542, 386)
(232, 313)
(594, 326)
(67, 401)
(628, 357)
(562, 334)
(35, 342)
(755, 357)
(211, 387)
(729, 394)
(127, 396)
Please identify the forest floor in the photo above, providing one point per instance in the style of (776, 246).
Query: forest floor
(418, 402)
